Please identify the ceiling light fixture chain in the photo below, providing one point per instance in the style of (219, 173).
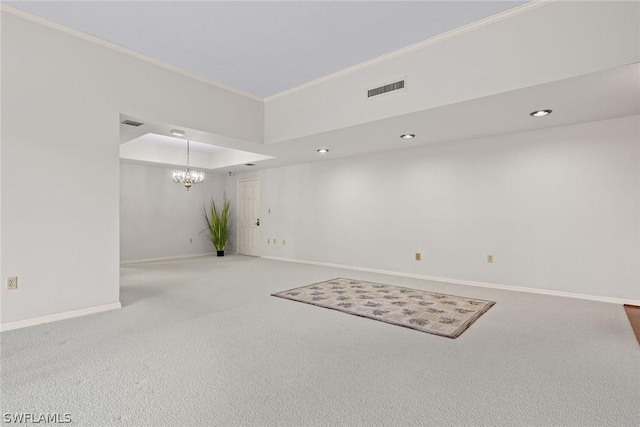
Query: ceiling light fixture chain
(187, 177)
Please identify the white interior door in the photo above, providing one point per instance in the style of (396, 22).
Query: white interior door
(249, 217)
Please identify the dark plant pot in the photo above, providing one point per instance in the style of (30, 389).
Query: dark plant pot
(221, 253)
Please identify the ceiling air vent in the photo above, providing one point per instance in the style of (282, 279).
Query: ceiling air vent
(385, 89)
(132, 123)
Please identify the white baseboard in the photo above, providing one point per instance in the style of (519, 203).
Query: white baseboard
(166, 258)
(465, 282)
(58, 316)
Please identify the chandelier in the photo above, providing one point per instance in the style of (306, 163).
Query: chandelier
(187, 177)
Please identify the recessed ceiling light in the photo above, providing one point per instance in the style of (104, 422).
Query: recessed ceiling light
(177, 132)
(322, 150)
(407, 136)
(249, 164)
(540, 113)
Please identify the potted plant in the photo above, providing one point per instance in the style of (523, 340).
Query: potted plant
(218, 224)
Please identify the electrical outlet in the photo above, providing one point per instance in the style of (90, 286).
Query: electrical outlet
(284, 242)
(418, 256)
(12, 283)
(191, 240)
(490, 259)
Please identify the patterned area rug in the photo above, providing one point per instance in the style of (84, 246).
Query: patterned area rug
(433, 313)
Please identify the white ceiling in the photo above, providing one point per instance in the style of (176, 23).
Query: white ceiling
(264, 47)
(267, 47)
(597, 96)
(157, 148)
(177, 143)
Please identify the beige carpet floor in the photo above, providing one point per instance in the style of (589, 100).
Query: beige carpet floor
(201, 342)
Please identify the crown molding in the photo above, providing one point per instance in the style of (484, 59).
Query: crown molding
(96, 40)
(529, 6)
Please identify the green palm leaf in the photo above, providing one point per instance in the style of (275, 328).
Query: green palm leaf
(218, 223)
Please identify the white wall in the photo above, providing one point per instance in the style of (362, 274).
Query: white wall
(62, 97)
(559, 40)
(61, 102)
(558, 208)
(158, 216)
